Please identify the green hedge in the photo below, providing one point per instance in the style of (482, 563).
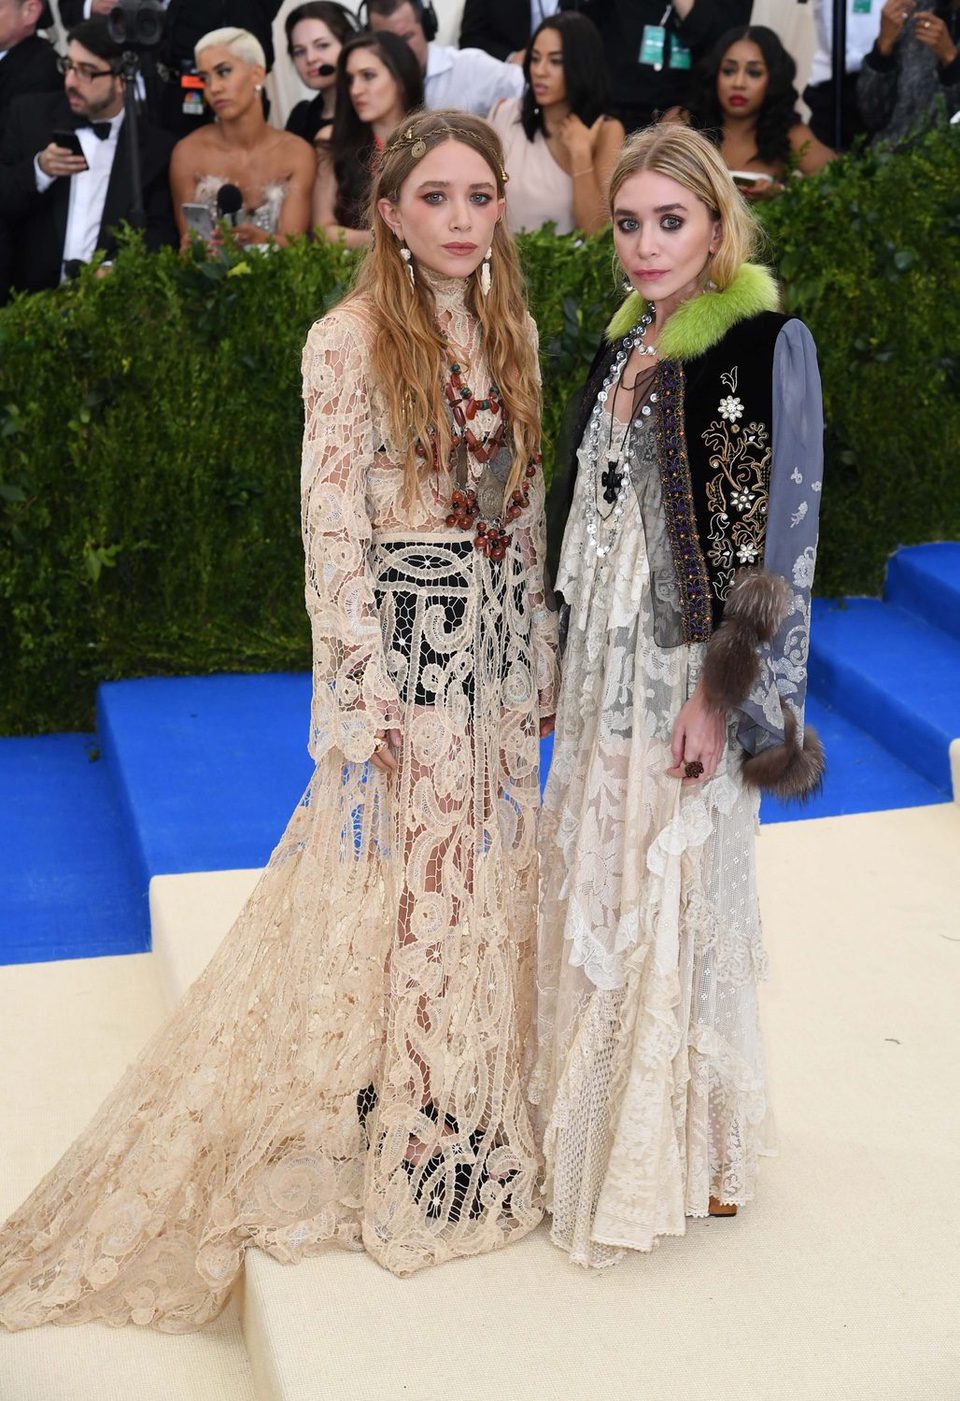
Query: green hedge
(150, 427)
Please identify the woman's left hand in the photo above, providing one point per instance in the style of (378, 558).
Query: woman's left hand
(699, 735)
(578, 140)
(931, 30)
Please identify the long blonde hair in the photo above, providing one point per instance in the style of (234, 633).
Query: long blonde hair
(407, 357)
(695, 163)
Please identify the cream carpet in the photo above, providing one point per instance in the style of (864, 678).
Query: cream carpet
(839, 1283)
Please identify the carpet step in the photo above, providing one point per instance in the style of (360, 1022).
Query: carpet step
(210, 767)
(925, 580)
(893, 676)
(68, 885)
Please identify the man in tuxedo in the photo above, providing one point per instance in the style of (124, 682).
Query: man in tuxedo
(60, 208)
(27, 62)
(173, 100)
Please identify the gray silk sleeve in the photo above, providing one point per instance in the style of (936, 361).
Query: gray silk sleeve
(796, 476)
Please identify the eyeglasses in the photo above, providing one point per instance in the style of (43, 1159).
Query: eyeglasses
(83, 70)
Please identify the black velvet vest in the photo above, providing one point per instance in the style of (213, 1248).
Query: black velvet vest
(714, 447)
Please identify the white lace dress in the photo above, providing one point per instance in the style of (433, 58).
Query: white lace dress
(351, 1067)
(650, 1077)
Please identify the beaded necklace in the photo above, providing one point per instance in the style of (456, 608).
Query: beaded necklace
(614, 480)
(480, 508)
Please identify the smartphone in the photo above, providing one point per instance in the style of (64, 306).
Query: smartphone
(750, 179)
(70, 141)
(198, 219)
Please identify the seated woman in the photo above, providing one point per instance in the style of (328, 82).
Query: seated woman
(378, 83)
(744, 100)
(316, 32)
(273, 170)
(559, 145)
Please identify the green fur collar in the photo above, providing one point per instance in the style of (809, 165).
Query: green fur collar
(702, 321)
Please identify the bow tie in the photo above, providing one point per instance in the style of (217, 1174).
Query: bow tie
(99, 129)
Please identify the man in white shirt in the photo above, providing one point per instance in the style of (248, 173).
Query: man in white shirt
(60, 207)
(468, 79)
(863, 25)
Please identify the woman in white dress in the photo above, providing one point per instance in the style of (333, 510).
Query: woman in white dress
(686, 564)
(351, 1067)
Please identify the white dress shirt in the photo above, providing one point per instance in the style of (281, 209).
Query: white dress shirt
(541, 10)
(468, 79)
(88, 191)
(862, 30)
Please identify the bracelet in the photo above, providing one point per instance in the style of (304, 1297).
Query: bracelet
(588, 171)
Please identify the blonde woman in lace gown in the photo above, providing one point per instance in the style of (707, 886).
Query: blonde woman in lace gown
(686, 564)
(351, 1067)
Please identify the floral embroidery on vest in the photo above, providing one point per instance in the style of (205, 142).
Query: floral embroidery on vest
(737, 492)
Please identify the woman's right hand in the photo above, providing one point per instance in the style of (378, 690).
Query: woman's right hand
(384, 757)
(893, 17)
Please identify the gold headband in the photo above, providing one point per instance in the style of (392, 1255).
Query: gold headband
(418, 144)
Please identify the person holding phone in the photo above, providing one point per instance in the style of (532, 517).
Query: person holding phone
(273, 170)
(910, 79)
(64, 168)
(744, 99)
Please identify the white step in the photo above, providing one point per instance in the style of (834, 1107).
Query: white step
(830, 1286)
(67, 1033)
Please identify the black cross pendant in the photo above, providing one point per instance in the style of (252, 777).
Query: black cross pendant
(610, 481)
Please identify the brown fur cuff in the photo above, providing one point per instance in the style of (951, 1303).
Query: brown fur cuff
(756, 606)
(787, 770)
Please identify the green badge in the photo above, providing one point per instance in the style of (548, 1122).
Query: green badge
(652, 45)
(862, 7)
(679, 56)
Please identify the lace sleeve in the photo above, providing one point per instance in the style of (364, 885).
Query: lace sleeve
(353, 696)
(531, 534)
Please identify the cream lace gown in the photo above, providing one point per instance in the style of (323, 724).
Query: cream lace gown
(350, 1068)
(650, 1078)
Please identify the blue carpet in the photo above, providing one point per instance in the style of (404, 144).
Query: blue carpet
(202, 773)
(67, 886)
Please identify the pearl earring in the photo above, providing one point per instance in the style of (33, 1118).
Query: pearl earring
(485, 273)
(407, 257)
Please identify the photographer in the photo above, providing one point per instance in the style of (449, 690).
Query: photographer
(64, 170)
(174, 96)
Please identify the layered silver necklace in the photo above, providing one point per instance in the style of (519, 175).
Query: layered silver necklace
(611, 481)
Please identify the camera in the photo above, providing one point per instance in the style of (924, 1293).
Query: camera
(136, 24)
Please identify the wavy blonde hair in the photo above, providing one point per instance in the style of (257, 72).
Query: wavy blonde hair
(407, 357)
(695, 163)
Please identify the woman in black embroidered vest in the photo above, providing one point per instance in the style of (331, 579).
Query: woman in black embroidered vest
(687, 563)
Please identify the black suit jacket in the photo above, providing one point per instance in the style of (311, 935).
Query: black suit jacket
(29, 67)
(636, 89)
(37, 223)
(501, 27)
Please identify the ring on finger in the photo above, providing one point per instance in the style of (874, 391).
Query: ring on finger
(692, 768)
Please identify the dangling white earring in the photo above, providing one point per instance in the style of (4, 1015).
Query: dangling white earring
(485, 274)
(258, 87)
(407, 257)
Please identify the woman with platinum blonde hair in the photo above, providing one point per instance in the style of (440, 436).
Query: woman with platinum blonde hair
(351, 1067)
(274, 171)
(691, 508)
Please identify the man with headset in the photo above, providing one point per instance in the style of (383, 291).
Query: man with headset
(465, 78)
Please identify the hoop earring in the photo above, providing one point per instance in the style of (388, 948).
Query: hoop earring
(486, 276)
(407, 257)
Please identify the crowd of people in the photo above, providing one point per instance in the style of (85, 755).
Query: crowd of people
(562, 83)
